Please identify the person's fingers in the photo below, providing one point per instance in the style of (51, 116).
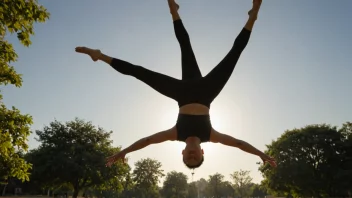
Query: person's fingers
(273, 163)
(109, 158)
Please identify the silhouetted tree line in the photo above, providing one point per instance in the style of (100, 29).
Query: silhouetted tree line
(312, 161)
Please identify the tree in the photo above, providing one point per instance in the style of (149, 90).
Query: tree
(201, 186)
(41, 173)
(192, 190)
(128, 185)
(74, 153)
(214, 185)
(310, 163)
(116, 184)
(146, 176)
(258, 191)
(175, 185)
(346, 131)
(15, 17)
(241, 182)
(226, 189)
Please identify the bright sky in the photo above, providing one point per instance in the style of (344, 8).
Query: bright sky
(296, 70)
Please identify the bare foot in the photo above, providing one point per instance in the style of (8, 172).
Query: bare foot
(93, 53)
(257, 4)
(173, 6)
(255, 9)
(177, 6)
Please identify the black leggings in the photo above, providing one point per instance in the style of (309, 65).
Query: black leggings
(193, 88)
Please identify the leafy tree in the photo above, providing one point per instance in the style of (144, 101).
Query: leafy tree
(192, 190)
(146, 176)
(128, 185)
(215, 182)
(241, 182)
(15, 17)
(310, 162)
(74, 153)
(346, 172)
(117, 184)
(258, 191)
(226, 189)
(201, 186)
(40, 174)
(346, 130)
(175, 185)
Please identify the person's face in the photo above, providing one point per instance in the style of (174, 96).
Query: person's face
(192, 154)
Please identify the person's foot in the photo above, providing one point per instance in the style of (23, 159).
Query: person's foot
(257, 4)
(253, 13)
(173, 6)
(93, 53)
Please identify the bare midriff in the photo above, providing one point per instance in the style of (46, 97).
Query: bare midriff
(194, 109)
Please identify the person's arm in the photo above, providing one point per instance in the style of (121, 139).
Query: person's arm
(228, 140)
(167, 135)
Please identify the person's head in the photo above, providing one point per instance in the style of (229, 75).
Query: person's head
(193, 154)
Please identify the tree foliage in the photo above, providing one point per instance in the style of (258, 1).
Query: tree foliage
(15, 17)
(346, 166)
(242, 182)
(258, 191)
(146, 176)
(226, 189)
(74, 152)
(192, 190)
(14, 130)
(201, 185)
(310, 162)
(175, 185)
(217, 187)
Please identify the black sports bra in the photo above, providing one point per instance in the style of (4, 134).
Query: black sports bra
(193, 126)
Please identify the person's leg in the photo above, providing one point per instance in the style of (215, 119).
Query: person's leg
(190, 69)
(217, 78)
(164, 84)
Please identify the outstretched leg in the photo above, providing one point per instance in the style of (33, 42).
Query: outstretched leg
(217, 78)
(190, 69)
(164, 84)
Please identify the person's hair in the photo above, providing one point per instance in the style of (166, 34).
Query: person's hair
(196, 165)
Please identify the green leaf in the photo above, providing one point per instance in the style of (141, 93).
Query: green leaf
(16, 17)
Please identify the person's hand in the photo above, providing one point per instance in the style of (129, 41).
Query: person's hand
(118, 156)
(268, 159)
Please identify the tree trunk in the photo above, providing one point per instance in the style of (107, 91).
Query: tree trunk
(4, 190)
(75, 193)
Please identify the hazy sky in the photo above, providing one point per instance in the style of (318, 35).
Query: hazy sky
(296, 70)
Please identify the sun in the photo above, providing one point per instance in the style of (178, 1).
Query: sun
(226, 118)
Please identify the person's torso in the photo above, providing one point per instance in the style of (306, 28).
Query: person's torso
(193, 126)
